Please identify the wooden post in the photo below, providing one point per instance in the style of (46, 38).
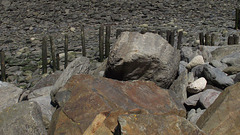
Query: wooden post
(83, 41)
(44, 55)
(57, 63)
(66, 51)
(3, 69)
(237, 19)
(160, 33)
(118, 33)
(179, 44)
(171, 40)
(207, 39)
(168, 34)
(101, 40)
(230, 40)
(107, 40)
(236, 39)
(201, 38)
(53, 53)
(213, 39)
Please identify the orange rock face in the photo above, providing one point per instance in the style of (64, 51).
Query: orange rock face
(91, 96)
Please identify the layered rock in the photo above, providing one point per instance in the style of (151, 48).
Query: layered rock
(89, 96)
(222, 117)
(146, 56)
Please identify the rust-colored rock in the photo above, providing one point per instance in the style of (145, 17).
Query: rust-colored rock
(92, 95)
(223, 116)
(139, 124)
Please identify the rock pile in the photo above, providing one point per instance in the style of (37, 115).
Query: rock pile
(24, 23)
(146, 86)
(87, 104)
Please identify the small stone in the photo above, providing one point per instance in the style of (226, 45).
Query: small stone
(197, 86)
(72, 29)
(197, 60)
(192, 100)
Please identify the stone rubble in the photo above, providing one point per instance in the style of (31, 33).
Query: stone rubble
(54, 97)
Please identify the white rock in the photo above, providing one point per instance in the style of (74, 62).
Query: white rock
(197, 60)
(72, 29)
(197, 86)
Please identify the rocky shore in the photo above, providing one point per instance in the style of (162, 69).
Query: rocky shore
(145, 86)
(24, 23)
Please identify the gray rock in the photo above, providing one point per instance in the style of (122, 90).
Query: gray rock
(47, 81)
(218, 64)
(6, 3)
(208, 97)
(194, 115)
(198, 71)
(207, 52)
(145, 57)
(237, 78)
(179, 86)
(224, 51)
(182, 67)
(188, 53)
(79, 65)
(24, 118)
(232, 59)
(46, 108)
(192, 100)
(216, 77)
(9, 94)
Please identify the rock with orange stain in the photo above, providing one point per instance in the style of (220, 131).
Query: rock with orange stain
(90, 96)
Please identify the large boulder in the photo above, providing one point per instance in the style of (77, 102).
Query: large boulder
(146, 56)
(87, 96)
(222, 117)
(9, 94)
(23, 118)
(156, 125)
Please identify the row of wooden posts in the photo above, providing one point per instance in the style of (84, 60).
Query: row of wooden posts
(206, 39)
(55, 58)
